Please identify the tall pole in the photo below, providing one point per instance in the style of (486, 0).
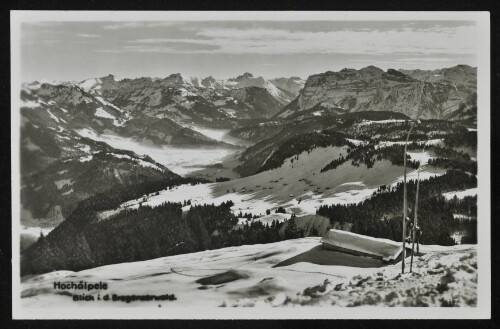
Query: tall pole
(413, 230)
(416, 200)
(415, 219)
(405, 207)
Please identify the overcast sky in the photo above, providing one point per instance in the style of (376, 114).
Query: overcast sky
(223, 49)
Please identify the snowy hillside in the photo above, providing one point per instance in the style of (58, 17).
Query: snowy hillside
(294, 180)
(282, 274)
(316, 169)
(244, 160)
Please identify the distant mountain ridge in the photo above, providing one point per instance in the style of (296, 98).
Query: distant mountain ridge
(425, 94)
(53, 193)
(162, 110)
(57, 117)
(178, 98)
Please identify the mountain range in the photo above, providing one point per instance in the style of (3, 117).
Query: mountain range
(116, 105)
(415, 93)
(59, 120)
(248, 173)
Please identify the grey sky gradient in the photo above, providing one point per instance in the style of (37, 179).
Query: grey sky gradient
(223, 49)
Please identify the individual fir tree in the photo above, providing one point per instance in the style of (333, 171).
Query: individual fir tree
(41, 237)
(314, 231)
(291, 230)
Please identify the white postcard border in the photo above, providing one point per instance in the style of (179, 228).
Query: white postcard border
(483, 309)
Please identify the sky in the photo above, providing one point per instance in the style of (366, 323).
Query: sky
(75, 51)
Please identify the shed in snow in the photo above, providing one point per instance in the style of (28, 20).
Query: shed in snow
(362, 245)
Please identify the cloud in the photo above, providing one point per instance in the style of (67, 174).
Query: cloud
(266, 41)
(408, 60)
(426, 59)
(50, 41)
(254, 34)
(119, 26)
(169, 45)
(135, 25)
(168, 40)
(412, 41)
(85, 35)
(172, 47)
(444, 40)
(43, 24)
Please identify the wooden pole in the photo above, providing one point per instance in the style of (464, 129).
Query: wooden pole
(415, 220)
(413, 230)
(405, 207)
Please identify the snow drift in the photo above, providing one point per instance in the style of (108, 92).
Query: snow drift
(348, 242)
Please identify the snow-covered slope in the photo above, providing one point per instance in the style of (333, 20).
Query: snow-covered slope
(282, 274)
(297, 185)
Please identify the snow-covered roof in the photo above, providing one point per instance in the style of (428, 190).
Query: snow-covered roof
(384, 248)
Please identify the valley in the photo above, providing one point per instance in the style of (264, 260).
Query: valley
(174, 173)
(180, 160)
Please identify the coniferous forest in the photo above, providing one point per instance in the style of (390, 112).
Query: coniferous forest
(85, 239)
(380, 216)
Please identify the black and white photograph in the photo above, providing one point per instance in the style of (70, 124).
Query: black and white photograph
(209, 165)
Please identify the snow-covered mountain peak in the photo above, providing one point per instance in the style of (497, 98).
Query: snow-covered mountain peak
(90, 85)
(178, 80)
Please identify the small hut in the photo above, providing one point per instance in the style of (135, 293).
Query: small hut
(362, 245)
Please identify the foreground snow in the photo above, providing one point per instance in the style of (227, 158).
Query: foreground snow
(293, 272)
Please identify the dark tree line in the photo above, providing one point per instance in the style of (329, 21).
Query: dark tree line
(397, 131)
(252, 233)
(381, 215)
(368, 154)
(470, 227)
(222, 179)
(302, 143)
(83, 241)
(466, 209)
(448, 158)
(463, 137)
(469, 166)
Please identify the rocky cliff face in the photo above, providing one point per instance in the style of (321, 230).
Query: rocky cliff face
(247, 80)
(372, 89)
(293, 85)
(461, 76)
(260, 102)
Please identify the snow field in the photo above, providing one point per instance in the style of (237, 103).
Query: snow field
(297, 186)
(286, 273)
(460, 194)
(370, 122)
